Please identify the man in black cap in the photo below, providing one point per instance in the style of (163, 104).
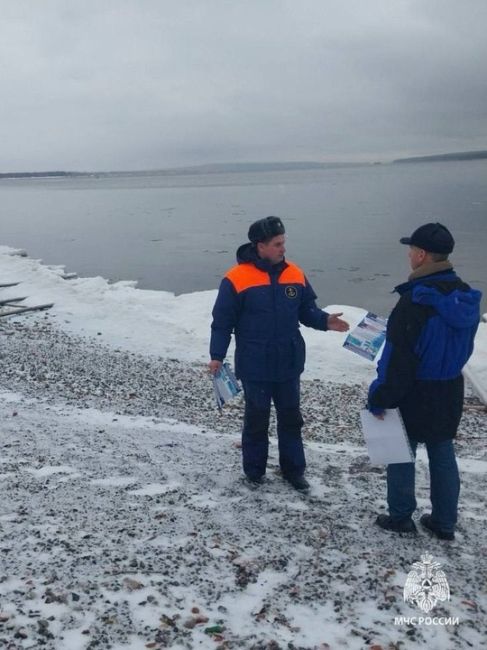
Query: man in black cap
(430, 336)
(262, 300)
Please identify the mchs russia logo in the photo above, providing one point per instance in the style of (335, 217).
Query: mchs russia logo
(426, 584)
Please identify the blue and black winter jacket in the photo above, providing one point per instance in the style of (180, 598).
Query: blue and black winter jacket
(263, 305)
(430, 336)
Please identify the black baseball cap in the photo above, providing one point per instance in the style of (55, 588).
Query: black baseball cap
(266, 228)
(432, 237)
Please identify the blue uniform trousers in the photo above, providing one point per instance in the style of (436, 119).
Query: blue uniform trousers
(255, 434)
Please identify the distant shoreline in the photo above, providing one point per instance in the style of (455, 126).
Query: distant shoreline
(240, 168)
(230, 168)
(445, 157)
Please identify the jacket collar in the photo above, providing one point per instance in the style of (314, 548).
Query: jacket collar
(430, 269)
(248, 253)
(448, 275)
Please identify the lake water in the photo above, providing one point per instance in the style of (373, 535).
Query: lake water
(180, 233)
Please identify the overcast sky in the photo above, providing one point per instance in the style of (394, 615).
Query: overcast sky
(142, 84)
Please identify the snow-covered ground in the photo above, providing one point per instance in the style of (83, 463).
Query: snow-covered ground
(124, 520)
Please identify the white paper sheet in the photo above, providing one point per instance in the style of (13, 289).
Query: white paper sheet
(386, 439)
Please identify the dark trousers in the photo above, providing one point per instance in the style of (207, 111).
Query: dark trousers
(255, 434)
(444, 485)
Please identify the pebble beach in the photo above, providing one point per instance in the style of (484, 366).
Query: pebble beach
(125, 521)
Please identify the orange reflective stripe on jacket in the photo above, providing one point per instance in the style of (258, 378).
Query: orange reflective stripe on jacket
(292, 274)
(245, 276)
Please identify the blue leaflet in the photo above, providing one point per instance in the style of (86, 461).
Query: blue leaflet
(368, 337)
(225, 385)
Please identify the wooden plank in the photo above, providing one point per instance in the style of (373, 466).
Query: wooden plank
(22, 310)
(8, 301)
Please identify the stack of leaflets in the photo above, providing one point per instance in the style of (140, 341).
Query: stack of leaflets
(368, 337)
(225, 385)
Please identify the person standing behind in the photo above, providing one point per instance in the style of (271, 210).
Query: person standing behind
(262, 300)
(430, 336)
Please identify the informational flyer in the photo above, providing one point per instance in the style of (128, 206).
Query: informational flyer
(386, 439)
(368, 337)
(225, 385)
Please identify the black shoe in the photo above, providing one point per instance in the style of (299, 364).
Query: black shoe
(396, 525)
(254, 481)
(426, 522)
(298, 482)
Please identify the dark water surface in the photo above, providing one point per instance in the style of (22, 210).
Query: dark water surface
(180, 233)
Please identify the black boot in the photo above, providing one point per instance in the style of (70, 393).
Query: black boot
(298, 482)
(426, 522)
(396, 525)
(254, 481)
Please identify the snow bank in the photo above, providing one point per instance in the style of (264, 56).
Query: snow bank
(162, 324)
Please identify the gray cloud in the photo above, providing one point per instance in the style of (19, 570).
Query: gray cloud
(132, 84)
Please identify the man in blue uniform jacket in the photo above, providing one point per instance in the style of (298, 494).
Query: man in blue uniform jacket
(430, 336)
(262, 300)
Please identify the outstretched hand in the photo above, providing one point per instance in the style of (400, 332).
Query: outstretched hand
(336, 324)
